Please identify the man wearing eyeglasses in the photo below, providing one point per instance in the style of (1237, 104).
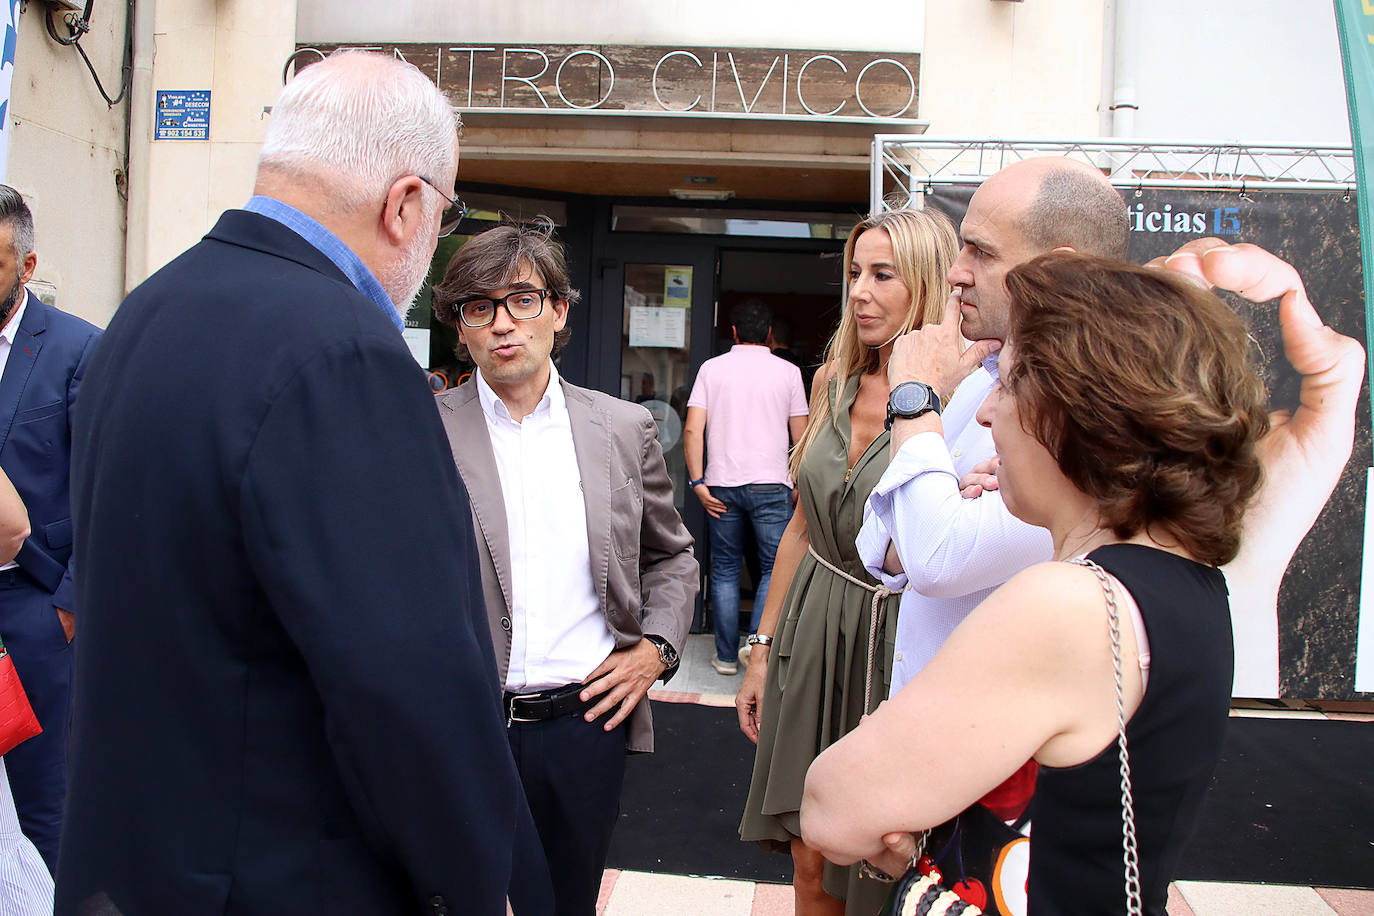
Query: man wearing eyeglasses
(586, 566)
(285, 703)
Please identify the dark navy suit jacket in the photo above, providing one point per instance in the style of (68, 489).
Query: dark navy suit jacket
(285, 696)
(37, 392)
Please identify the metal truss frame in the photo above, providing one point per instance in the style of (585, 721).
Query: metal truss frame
(912, 163)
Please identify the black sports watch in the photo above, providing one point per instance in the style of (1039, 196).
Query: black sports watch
(666, 654)
(910, 400)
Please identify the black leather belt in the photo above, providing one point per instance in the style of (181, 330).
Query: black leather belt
(546, 704)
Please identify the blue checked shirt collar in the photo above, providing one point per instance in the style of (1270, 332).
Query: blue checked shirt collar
(331, 247)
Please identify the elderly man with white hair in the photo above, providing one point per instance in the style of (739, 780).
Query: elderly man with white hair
(286, 700)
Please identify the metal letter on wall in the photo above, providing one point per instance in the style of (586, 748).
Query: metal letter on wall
(803, 84)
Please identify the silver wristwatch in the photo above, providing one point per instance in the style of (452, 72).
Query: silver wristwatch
(667, 655)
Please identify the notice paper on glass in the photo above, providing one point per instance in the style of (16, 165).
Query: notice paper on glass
(417, 339)
(677, 286)
(658, 327)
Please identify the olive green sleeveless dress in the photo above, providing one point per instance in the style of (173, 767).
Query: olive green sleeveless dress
(814, 691)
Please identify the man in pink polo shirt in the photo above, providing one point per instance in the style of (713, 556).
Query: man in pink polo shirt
(747, 403)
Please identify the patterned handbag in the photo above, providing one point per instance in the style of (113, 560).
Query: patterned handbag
(972, 864)
(17, 721)
(978, 888)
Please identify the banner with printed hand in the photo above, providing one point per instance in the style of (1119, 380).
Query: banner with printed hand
(1315, 653)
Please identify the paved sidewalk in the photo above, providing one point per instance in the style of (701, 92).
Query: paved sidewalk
(632, 893)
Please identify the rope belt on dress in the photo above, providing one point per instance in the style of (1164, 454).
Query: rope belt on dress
(876, 615)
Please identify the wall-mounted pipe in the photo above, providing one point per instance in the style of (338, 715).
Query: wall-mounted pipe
(140, 147)
(1124, 104)
(1108, 82)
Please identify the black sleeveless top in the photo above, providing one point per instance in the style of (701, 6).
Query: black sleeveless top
(1174, 740)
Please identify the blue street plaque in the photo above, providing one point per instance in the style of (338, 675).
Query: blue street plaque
(182, 114)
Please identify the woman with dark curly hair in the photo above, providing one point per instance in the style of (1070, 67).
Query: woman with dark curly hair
(1126, 419)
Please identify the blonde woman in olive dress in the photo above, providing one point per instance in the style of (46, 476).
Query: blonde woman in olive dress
(831, 625)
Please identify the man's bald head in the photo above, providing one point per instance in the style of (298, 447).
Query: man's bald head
(1025, 210)
(1073, 206)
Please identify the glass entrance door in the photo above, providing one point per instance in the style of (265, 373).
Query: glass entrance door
(665, 308)
(662, 291)
(656, 355)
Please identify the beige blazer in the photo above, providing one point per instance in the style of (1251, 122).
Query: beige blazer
(642, 564)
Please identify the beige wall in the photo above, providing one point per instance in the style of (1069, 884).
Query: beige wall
(234, 48)
(1012, 70)
(1265, 71)
(874, 25)
(67, 147)
(66, 155)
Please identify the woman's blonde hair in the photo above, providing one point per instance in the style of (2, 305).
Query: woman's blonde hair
(924, 246)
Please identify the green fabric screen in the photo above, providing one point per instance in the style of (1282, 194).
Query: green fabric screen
(1355, 25)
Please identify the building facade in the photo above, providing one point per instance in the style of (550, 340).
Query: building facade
(691, 154)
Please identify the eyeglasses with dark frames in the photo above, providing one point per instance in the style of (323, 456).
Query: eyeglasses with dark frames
(453, 215)
(522, 305)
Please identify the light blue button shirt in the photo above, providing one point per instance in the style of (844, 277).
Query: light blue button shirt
(331, 247)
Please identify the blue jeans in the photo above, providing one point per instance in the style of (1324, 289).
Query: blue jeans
(766, 506)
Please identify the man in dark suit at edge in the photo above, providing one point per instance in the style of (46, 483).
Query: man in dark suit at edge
(43, 354)
(286, 702)
(587, 569)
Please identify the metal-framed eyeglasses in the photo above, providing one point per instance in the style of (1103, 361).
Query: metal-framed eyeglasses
(453, 215)
(522, 305)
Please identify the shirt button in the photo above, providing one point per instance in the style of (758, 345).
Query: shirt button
(899, 656)
(958, 453)
(505, 624)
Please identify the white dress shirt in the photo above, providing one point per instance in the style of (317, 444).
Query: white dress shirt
(558, 630)
(955, 550)
(6, 343)
(26, 887)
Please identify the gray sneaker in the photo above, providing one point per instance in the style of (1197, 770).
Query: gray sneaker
(726, 668)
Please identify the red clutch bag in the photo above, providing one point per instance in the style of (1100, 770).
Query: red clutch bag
(17, 721)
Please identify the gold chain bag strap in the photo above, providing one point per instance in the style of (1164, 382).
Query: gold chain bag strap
(921, 893)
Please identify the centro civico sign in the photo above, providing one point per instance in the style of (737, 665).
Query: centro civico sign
(661, 80)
